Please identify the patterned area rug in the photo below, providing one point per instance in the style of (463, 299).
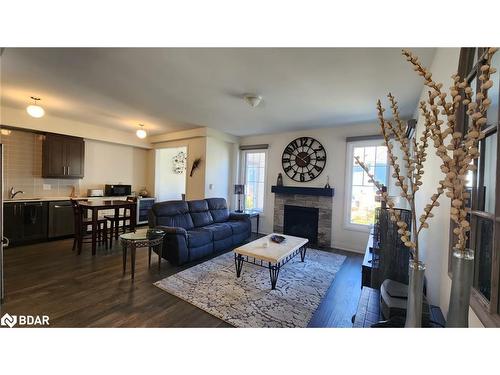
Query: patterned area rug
(248, 301)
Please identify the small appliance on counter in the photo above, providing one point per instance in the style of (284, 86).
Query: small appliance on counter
(118, 190)
(95, 193)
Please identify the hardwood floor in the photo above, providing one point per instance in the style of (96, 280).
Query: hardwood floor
(85, 291)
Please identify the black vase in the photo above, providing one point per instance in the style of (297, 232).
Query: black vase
(279, 181)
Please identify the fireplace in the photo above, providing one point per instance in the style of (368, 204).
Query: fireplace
(301, 222)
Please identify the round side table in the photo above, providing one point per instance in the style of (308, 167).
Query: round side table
(150, 238)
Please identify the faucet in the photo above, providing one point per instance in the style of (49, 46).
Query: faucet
(13, 193)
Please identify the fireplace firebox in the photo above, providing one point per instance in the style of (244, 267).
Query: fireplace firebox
(301, 222)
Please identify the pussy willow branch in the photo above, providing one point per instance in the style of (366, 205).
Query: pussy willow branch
(400, 180)
(403, 231)
(463, 149)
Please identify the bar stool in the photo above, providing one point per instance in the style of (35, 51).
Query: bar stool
(82, 233)
(115, 222)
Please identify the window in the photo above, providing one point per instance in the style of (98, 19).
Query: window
(484, 237)
(360, 193)
(254, 176)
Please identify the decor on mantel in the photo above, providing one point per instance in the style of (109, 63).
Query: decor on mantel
(179, 162)
(458, 157)
(279, 180)
(239, 190)
(455, 168)
(327, 185)
(195, 166)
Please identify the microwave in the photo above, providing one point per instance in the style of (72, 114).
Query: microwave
(117, 190)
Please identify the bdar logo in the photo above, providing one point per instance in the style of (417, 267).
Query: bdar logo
(8, 320)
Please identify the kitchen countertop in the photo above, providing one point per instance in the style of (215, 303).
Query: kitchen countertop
(53, 199)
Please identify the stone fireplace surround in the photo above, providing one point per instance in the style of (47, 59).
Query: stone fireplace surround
(322, 202)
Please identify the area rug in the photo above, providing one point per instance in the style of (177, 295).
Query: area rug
(249, 301)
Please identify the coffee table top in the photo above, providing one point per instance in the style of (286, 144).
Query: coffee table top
(142, 234)
(274, 252)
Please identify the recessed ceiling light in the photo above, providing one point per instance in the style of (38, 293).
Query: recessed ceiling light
(34, 110)
(141, 133)
(253, 99)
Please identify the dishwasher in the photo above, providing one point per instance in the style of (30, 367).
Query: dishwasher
(61, 219)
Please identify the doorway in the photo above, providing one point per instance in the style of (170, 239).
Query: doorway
(170, 173)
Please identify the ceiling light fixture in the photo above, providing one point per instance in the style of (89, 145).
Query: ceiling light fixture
(34, 110)
(141, 133)
(252, 99)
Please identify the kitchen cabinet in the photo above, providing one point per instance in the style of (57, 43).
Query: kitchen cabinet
(63, 156)
(25, 221)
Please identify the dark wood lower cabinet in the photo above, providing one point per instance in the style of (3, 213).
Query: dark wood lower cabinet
(25, 221)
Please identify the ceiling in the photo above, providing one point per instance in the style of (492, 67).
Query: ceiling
(170, 89)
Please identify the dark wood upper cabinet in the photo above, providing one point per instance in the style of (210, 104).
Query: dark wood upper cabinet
(63, 156)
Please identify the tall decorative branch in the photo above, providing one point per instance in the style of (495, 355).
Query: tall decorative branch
(410, 182)
(456, 151)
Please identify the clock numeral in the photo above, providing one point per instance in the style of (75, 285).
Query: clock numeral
(319, 169)
(304, 140)
(294, 174)
(287, 169)
(302, 177)
(312, 175)
(320, 148)
(285, 160)
(321, 158)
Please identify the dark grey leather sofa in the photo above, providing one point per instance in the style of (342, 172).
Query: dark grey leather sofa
(195, 229)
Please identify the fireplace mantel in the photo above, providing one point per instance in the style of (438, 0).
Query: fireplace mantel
(322, 192)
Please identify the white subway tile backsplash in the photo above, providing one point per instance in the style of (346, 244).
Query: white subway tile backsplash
(23, 167)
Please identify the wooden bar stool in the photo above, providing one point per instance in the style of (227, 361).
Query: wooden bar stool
(82, 233)
(115, 221)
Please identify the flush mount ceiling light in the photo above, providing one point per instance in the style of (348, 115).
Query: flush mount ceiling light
(34, 110)
(141, 133)
(252, 99)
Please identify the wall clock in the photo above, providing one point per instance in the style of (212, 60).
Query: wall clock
(303, 159)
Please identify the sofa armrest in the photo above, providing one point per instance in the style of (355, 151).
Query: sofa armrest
(236, 216)
(172, 230)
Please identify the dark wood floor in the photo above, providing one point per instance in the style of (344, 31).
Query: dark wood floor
(85, 291)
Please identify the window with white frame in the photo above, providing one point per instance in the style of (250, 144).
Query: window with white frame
(360, 192)
(254, 175)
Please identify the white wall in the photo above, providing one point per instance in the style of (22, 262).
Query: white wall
(434, 242)
(110, 163)
(334, 141)
(169, 185)
(196, 148)
(218, 168)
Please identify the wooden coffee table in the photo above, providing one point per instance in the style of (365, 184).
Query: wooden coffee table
(266, 253)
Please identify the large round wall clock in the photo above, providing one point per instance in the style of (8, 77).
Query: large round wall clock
(303, 159)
